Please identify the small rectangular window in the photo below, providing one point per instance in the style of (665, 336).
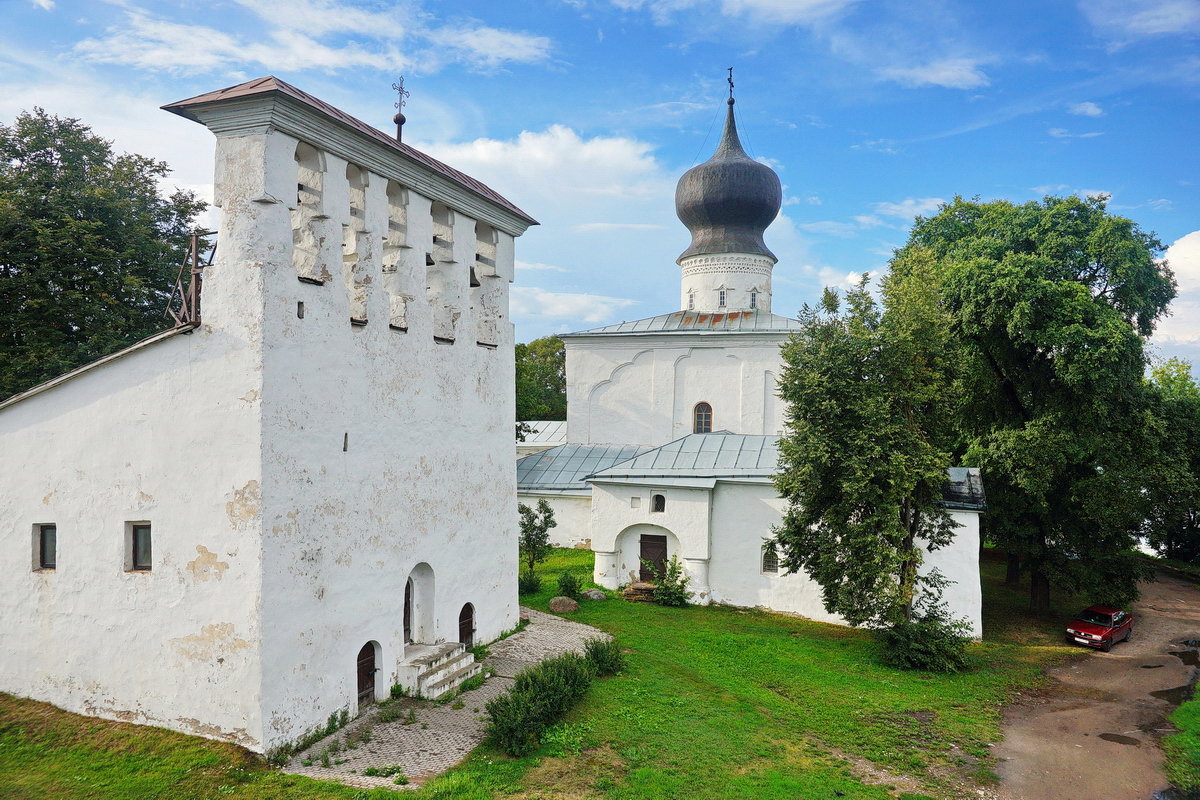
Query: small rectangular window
(754, 299)
(140, 544)
(691, 301)
(46, 542)
(721, 298)
(770, 558)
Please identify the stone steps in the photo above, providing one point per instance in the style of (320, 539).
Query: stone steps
(433, 670)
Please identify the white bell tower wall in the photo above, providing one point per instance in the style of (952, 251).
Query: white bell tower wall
(741, 280)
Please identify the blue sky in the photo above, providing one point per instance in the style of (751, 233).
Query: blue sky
(585, 113)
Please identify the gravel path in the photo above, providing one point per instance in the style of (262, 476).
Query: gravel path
(1093, 733)
(441, 734)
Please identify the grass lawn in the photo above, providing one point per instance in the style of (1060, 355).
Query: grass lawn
(715, 703)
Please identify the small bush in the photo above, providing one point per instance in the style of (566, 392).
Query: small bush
(383, 772)
(539, 696)
(568, 585)
(397, 691)
(932, 641)
(528, 582)
(605, 656)
(670, 586)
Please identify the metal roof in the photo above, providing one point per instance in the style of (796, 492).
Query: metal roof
(568, 465)
(730, 455)
(545, 431)
(271, 84)
(756, 321)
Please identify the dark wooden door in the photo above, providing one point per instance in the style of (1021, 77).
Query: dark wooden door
(408, 597)
(654, 550)
(466, 625)
(366, 674)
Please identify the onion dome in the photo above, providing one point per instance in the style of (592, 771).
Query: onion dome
(728, 201)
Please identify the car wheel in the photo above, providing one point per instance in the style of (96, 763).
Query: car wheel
(1129, 633)
(1106, 646)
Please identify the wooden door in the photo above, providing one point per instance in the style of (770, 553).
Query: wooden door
(408, 611)
(466, 625)
(654, 550)
(366, 674)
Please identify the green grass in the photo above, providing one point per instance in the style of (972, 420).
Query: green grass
(1183, 749)
(714, 703)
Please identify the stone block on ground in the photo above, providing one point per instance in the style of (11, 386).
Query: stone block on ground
(563, 605)
(639, 592)
(595, 594)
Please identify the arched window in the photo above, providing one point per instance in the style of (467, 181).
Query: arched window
(658, 503)
(770, 558)
(466, 625)
(702, 418)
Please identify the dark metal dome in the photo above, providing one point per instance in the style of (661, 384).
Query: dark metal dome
(728, 201)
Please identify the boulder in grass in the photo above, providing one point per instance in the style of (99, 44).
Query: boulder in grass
(595, 594)
(563, 605)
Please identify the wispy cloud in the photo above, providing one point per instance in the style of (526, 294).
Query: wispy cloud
(1183, 326)
(772, 12)
(909, 207)
(526, 266)
(1063, 133)
(951, 73)
(45, 5)
(886, 146)
(1125, 20)
(293, 41)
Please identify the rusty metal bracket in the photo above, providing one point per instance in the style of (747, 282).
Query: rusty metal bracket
(184, 304)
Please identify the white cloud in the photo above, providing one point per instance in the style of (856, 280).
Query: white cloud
(530, 301)
(952, 73)
(45, 5)
(1183, 326)
(1132, 19)
(838, 279)
(909, 207)
(526, 266)
(887, 146)
(1085, 109)
(771, 12)
(292, 41)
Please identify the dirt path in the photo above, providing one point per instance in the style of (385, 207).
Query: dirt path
(1092, 733)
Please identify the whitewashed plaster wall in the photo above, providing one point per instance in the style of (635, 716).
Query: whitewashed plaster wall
(718, 534)
(168, 434)
(739, 275)
(384, 451)
(572, 512)
(643, 389)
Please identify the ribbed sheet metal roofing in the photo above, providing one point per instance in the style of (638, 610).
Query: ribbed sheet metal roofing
(546, 431)
(567, 466)
(700, 322)
(270, 84)
(729, 455)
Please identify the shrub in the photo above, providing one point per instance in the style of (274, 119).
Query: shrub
(605, 656)
(383, 772)
(539, 696)
(670, 585)
(528, 582)
(932, 640)
(568, 585)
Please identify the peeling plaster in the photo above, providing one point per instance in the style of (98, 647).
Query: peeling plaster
(211, 641)
(245, 506)
(206, 566)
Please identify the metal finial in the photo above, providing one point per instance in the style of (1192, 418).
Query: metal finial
(730, 79)
(401, 93)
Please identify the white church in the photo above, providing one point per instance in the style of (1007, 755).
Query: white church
(673, 421)
(258, 518)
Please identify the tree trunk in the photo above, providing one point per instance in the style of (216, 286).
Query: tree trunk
(1012, 576)
(1039, 592)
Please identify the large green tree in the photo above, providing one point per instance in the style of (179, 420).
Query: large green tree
(1172, 456)
(1051, 304)
(870, 433)
(89, 247)
(542, 380)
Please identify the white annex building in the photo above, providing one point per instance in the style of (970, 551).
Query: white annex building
(673, 421)
(242, 525)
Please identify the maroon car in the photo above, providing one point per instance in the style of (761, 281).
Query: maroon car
(1100, 627)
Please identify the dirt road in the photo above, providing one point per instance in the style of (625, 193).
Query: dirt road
(1092, 733)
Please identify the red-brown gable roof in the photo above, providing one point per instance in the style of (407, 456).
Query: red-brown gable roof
(272, 84)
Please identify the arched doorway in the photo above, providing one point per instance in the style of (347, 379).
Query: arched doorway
(366, 674)
(466, 625)
(419, 617)
(640, 543)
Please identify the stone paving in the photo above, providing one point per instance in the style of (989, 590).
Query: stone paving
(441, 735)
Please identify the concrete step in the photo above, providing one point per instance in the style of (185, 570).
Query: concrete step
(423, 660)
(453, 680)
(443, 668)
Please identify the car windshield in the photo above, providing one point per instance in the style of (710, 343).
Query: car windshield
(1096, 618)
